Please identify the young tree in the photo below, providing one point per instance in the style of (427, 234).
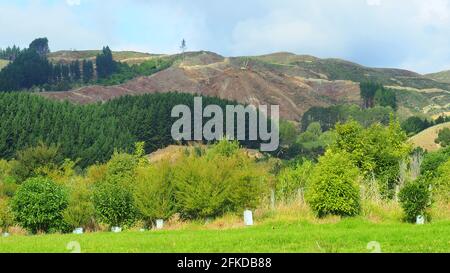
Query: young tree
(333, 187)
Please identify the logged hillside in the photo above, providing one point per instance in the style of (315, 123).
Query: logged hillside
(295, 82)
(425, 139)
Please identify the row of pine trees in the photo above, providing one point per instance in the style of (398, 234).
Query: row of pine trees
(31, 68)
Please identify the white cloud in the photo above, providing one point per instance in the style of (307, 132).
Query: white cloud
(373, 2)
(410, 34)
(73, 2)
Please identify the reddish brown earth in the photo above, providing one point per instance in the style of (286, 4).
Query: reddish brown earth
(295, 95)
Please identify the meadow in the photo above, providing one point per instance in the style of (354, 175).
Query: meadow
(345, 236)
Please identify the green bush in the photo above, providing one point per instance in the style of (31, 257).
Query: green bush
(433, 160)
(210, 186)
(415, 198)
(114, 204)
(8, 187)
(376, 151)
(333, 188)
(441, 183)
(80, 211)
(34, 161)
(444, 137)
(121, 167)
(38, 205)
(6, 216)
(154, 192)
(293, 180)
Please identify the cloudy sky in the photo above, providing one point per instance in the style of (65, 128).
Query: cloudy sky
(410, 34)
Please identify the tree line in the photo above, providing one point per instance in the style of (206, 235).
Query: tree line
(91, 133)
(9, 53)
(31, 68)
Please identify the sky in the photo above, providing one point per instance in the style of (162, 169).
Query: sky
(408, 34)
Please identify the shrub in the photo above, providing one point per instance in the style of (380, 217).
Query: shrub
(34, 161)
(432, 161)
(444, 137)
(38, 205)
(8, 187)
(211, 186)
(377, 150)
(293, 180)
(154, 192)
(114, 204)
(80, 211)
(333, 187)
(415, 198)
(441, 184)
(6, 217)
(121, 167)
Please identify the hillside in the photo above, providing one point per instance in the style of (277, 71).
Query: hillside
(295, 82)
(425, 139)
(443, 76)
(213, 75)
(337, 69)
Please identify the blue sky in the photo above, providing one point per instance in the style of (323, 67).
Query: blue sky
(410, 34)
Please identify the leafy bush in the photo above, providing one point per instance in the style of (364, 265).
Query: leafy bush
(441, 184)
(8, 187)
(293, 180)
(444, 137)
(377, 150)
(34, 161)
(414, 125)
(114, 204)
(433, 160)
(121, 167)
(6, 216)
(38, 205)
(333, 187)
(154, 192)
(80, 211)
(415, 199)
(210, 186)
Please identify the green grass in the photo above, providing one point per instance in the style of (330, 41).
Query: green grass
(348, 235)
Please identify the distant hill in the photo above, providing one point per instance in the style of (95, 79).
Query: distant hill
(443, 76)
(337, 69)
(425, 139)
(295, 82)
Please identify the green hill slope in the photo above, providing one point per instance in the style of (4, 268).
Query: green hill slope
(443, 76)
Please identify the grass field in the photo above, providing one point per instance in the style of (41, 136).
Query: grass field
(348, 235)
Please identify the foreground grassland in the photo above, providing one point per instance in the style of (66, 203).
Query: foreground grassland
(347, 235)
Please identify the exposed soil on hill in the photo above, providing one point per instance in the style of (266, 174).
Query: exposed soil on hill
(212, 75)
